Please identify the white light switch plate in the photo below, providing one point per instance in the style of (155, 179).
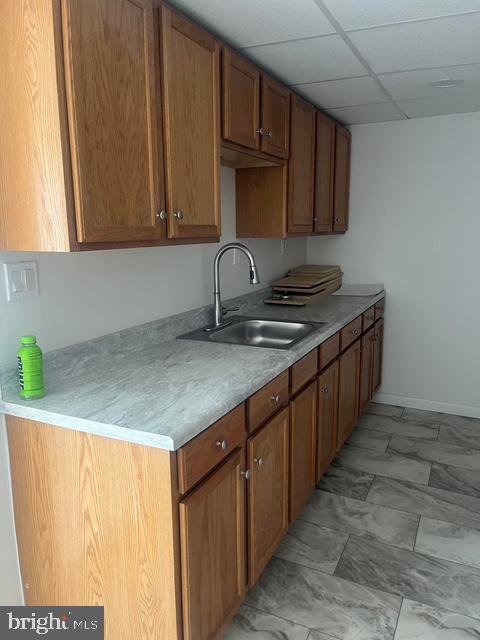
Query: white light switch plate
(21, 279)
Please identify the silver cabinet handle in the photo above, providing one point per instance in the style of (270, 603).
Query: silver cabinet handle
(258, 461)
(337, 219)
(325, 390)
(162, 215)
(261, 131)
(355, 332)
(270, 134)
(276, 399)
(245, 474)
(179, 215)
(223, 444)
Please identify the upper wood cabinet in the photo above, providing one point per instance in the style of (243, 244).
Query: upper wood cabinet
(324, 174)
(303, 435)
(275, 134)
(191, 96)
(301, 167)
(111, 78)
(241, 100)
(343, 140)
(267, 460)
(212, 540)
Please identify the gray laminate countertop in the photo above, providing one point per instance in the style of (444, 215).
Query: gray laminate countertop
(144, 386)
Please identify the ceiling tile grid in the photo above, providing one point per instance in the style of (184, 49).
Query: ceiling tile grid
(360, 60)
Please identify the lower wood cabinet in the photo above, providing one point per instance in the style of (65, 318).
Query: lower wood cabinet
(348, 391)
(366, 382)
(377, 356)
(303, 434)
(267, 461)
(212, 542)
(327, 418)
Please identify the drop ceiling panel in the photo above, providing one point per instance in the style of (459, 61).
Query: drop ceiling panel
(415, 84)
(310, 60)
(434, 43)
(244, 23)
(342, 93)
(440, 106)
(361, 114)
(359, 14)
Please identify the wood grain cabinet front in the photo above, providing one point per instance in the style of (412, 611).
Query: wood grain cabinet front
(327, 418)
(343, 142)
(115, 142)
(267, 461)
(303, 433)
(348, 392)
(324, 174)
(301, 167)
(267, 401)
(275, 134)
(303, 371)
(212, 540)
(366, 374)
(377, 356)
(191, 97)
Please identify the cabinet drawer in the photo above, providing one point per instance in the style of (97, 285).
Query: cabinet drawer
(267, 401)
(380, 309)
(303, 371)
(203, 453)
(350, 333)
(368, 318)
(329, 350)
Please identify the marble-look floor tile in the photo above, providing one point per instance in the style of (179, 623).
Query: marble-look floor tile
(419, 621)
(426, 501)
(346, 481)
(362, 519)
(324, 603)
(387, 464)
(318, 635)
(412, 575)
(422, 450)
(312, 546)
(398, 426)
(449, 541)
(250, 624)
(455, 479)
(384, 409)
(463, 436)
(434, 417)
(369, 439)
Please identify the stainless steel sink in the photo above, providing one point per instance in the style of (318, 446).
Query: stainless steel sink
(257, 332)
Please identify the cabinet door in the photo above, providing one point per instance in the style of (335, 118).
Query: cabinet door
(212, 532)
(348, 391)
(112, 97)
(191, 91)
(303, 434)
(342, 178)
(275, 119)
(377, 356)
(267, 455)
(366, 374)
(327, 418)
(301, 167)
(241, 100)
(324, 174)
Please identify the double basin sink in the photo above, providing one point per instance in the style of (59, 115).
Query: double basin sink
(256, 332)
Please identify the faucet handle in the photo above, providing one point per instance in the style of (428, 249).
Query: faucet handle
(228, 309)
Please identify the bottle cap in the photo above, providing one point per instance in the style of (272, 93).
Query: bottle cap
(29, 339)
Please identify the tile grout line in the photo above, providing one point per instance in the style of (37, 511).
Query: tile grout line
(398, 617)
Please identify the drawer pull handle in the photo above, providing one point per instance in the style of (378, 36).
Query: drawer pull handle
(258, 461)
(276, 399)
(223, 444)
(325, 390)
(261, 131)
(162, 215)
(245, 474)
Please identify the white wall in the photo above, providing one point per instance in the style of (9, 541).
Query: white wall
(415, 225)
(90, 294)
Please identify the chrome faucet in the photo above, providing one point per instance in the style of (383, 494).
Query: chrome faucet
(217, 301)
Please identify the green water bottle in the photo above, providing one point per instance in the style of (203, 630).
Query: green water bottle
(30, 368)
